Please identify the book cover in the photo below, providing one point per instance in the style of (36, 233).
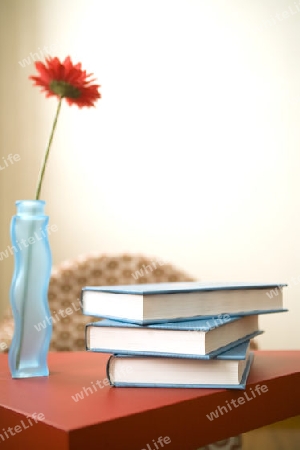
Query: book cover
(171, 339)
(183, 287)
(124, 375)
(203, 324)
(179, 301)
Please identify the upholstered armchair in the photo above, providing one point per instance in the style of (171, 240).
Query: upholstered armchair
(67, 280)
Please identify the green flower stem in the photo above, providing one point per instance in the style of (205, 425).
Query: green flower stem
(43, 168)
(23, 304)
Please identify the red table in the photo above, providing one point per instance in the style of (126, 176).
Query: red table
(107, 418)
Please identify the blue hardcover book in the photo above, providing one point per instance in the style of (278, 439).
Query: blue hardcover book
(228, 370)
(202, 338)
(170, 302)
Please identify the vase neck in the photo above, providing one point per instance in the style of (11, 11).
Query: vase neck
(30, 207)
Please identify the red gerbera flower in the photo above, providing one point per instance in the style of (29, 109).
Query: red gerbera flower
(63, 80)
(66, 80)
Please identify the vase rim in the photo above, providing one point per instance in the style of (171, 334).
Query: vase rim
(30, 208)
(41, 202)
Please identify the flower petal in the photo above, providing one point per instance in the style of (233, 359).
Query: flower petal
(71, 78)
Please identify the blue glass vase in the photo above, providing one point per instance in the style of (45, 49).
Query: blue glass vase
(29, 291)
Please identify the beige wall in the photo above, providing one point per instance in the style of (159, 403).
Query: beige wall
(17, 122)
(193, 152)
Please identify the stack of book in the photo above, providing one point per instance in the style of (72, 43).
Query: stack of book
(187, 334)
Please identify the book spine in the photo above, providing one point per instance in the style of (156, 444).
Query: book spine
(85, 336)
(81, 300)
(109, 362)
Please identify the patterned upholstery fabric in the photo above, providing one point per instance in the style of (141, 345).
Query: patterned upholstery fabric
(68, 279)
(6, 331)
(66, 283)
(233, 443)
